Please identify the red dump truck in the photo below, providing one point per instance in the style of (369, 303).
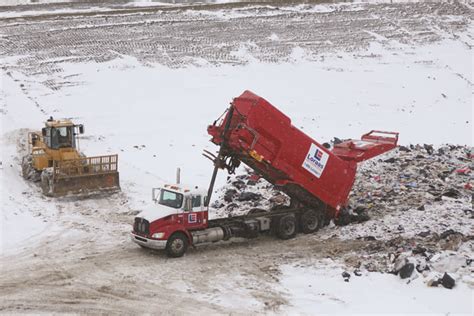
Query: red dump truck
(317, 179)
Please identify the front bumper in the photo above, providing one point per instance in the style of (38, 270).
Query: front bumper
(149, 243)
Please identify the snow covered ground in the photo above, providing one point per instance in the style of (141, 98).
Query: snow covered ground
(323, 291)
(154, 115)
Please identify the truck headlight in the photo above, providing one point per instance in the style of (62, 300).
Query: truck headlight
(158, 235)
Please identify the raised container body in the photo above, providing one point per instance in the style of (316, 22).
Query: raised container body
(264, 139)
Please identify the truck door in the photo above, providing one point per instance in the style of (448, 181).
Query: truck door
(194, 214)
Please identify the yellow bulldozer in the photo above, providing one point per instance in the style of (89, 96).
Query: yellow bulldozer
(54, 160)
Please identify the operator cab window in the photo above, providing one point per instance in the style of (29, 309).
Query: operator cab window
(47, 136)
(61, 137)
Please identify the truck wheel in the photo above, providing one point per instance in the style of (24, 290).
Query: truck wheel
(309, 221)
(286, 228)
(177, 245)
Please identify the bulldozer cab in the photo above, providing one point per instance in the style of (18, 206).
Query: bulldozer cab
(61, 134)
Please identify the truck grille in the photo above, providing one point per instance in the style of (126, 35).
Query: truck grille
(141, 226)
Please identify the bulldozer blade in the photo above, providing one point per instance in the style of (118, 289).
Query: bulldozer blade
(84, 185)
(84, 176)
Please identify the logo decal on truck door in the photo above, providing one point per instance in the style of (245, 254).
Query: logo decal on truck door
(192, 218)
(316, 160)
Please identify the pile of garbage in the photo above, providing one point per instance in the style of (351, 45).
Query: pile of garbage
(412, 206)
(415, 177)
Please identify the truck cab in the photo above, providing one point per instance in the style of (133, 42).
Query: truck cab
(168, 222)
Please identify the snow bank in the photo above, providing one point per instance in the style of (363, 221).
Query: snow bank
(322, 290)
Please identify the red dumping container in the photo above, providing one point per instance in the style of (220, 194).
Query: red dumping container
(263, 138)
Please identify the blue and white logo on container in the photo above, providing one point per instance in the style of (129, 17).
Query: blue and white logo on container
(316, 160)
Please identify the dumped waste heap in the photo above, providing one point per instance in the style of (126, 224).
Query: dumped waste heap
(411, 206)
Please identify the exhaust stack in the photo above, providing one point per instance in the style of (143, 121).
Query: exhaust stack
(178, 176)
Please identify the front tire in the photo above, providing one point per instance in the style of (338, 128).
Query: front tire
(177, 245)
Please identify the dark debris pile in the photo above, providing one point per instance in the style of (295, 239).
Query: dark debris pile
(412, 207)
(415, 177)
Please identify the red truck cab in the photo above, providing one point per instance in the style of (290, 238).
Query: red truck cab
(168, 222)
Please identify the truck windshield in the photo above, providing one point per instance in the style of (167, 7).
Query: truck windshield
(171, 199)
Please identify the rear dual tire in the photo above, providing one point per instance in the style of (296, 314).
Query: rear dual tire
(310, 221)
(287, 226)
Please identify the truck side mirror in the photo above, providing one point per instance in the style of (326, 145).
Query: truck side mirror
(43, 131)
(81, 129)
(188, 204)
(154, 195)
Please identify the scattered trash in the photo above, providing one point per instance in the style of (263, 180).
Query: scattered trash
(399, 263)
(279, 199)
(253, 179)
(247, 196)
(406, 271)
(463, 171)
(429, 148)
(229, 195)
(239, 184)
(424, 234)
(367, 238)
(433, 283)
(422, 267)
(346, 276)
(348, 216)
(447, 281)
(448, 233)
(418, 250)
(336, 141)
(451, 193)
